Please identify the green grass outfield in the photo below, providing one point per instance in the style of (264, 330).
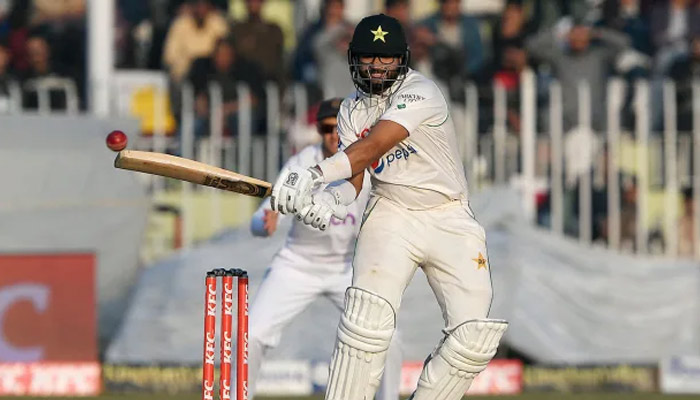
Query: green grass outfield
(529, 396)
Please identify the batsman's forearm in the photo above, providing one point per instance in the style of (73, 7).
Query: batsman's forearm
(363, 153)
(383, 136)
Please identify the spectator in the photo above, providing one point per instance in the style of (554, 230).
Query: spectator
(422, 41)
(436, 60)
(6, 79)
(330, 49)
(39, 57)
(510, 58)
(227, 69)
(18, 24)
(514, 61)
(673, 23)
(684, 71)
(460, 33)
(63, 25)
(626, 16)
(401, 10)
(587, 55)
(304, 63)
(42, 73)
(191, 36)
(260, 42)
(510, 32)
(545, 13)
(686, 233)
(628, 215)
(420, 38)
(133, 34)
(141, 30)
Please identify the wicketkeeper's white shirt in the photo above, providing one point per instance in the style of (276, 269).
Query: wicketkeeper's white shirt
(425, 169)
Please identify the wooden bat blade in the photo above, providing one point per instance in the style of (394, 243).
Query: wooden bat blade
(191, 171)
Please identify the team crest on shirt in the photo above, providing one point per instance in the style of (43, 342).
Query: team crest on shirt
(480, 262)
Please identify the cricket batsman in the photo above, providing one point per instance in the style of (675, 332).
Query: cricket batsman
(397, 124)
(312, 263)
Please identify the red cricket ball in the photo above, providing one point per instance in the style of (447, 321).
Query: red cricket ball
(117, 140)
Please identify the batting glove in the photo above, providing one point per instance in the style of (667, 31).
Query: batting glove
(293, 188)
(324, 205)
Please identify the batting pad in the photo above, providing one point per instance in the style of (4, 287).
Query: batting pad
(364, 334)
(462, 355)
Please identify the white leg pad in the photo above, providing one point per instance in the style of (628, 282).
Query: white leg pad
(458, 359)
(364, 334)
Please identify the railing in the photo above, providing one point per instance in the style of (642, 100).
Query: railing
(534, 158)
(43, 88)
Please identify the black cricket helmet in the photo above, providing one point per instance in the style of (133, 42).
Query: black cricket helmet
(378, 36)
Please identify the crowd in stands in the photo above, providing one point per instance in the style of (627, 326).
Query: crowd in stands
(197, 41)
(42, 43)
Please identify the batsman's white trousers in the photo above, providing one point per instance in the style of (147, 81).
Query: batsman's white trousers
(286, 291)
(446, 242)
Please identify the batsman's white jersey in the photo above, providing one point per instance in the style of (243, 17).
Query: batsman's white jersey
(311, 264)
(425, 169)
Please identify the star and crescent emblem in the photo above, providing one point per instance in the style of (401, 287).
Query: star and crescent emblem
(379, 34)
(480, 261)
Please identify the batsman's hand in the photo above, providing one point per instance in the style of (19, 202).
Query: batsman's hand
(324, 205)
(293, 188)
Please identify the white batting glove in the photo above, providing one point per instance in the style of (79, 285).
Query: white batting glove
(324, 205)
(293, 188)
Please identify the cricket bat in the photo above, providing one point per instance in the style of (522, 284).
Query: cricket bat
(191, 171)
